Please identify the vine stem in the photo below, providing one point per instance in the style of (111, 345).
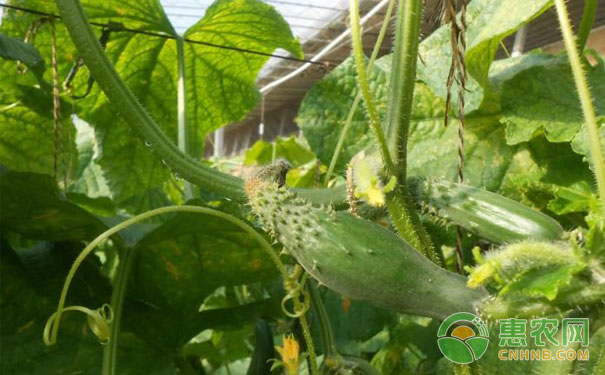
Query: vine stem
(118, 296)
(402, 81)
(401, 209)
(399, 108)
(349, 120)
(585, 99)
(365, 87)
(590, 10)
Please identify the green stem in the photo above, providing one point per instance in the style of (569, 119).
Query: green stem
(110, 351)
(402, 81)
(398, 117)
(349, 119)
(590, 10)
(309, 340)
(585, 99)
(136, 116)
(365, 87)
(407, 222)
(182, 108)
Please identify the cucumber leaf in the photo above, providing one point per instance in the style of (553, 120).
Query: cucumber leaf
(221, 82)
(544, 98)
(32, 280)
(432, 148)
(179, 264)
(289, 149)
(220, 86)
(15, 49)
(31, 205)
(324, 110)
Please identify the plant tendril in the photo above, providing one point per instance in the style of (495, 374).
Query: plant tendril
(294, 291)
(99, 321)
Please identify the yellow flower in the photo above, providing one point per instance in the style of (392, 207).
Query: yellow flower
(290, 355)
(367, 182)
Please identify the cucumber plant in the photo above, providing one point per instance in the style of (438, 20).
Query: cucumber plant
(185, 272)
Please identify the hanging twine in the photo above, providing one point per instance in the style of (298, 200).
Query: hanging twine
(30, 37)
(457, 72)
(57, 123)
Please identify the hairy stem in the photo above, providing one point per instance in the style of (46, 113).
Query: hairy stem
(398, 116)
(365, 87)
(402, 80)
(349, 119)
(587, 104)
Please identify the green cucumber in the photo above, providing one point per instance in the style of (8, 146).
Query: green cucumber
(263, 350)
(359, 258)
(489, 215)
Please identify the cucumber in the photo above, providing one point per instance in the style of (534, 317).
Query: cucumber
(489, 215)
(263, 350)
(358, 258)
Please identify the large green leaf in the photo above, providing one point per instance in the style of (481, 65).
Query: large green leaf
(290, 149)
(15, 49)
(179, 264)
(32, 206)
(220, 85)
(26, 117)
(32, 280)
(323, 112)
(221, 82)
(544, 98)
(432, 148)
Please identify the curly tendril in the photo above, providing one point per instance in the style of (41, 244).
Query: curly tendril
(99, 321)
(294, 291)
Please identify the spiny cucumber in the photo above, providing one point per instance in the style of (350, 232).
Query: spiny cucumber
(358, 258)
(489, 215)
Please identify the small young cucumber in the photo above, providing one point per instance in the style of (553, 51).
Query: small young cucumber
(489, 215)
(358, 258)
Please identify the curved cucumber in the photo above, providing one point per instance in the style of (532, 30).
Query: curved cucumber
(358, 258)
(263, 350)
(489, 215)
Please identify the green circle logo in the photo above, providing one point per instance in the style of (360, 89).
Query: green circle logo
(463, 338)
